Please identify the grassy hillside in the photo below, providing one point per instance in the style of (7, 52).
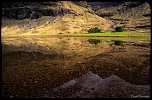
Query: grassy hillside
(72, 17)
(68, 18)
(135, 16)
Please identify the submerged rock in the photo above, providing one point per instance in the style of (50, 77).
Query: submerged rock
(91, 85)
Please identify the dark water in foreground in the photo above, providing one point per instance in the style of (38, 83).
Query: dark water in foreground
(30, 64)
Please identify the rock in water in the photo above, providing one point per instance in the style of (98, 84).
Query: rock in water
(91, 85)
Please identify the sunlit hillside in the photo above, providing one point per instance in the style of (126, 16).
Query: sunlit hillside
(135, 16)
(74, 19)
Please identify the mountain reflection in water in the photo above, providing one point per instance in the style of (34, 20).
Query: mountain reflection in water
(31, 64)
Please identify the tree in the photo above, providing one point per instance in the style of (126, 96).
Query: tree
(94, 30)
(119, 29)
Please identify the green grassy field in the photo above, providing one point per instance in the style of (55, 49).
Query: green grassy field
(112, 34)
(144, 36)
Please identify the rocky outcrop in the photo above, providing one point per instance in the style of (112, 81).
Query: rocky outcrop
(33, 10)
(22, 13)
(91, 85)
(21, 10)
(17, 13)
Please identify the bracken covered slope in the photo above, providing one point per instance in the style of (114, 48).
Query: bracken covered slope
(66, 17)
(61, 17)
(134, 16)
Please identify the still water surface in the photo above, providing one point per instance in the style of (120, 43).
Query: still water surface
(32, 63)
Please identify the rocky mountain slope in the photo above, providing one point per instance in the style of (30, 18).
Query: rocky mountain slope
(66, 17)
(61, 17)
(134, 16)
